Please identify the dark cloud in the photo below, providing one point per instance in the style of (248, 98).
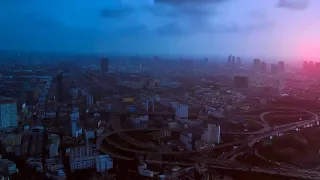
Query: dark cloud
(182, 2)
(176, 29)
(116, 12)
(135, 30)
(186, 8)
(181, 11)
(293, 4)
(173, 29)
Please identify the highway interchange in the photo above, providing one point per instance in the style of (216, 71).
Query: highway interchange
(222, 162)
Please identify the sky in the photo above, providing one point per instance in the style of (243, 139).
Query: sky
(249, 28)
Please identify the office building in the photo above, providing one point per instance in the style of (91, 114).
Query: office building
(7, 167)
(89, 100)
(281, 67)
(181, 112)
(59, 80)
(305, 65)
(150, 106)
(74, 117)
(8, 114)
(229, 60)
(274, 68)
(241, 82)
(104, 65)
(256, 64)
(238, 61)
(233, 61)
(211, 134)
(280, 85)
(263, 67)
(103, 162)
(81, 157)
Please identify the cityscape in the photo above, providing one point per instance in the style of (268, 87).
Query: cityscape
(150, 118)
(160, 90)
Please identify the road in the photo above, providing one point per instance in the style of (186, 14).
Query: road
(267, 132)
(222, 164)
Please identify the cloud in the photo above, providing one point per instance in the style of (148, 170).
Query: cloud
(178, 29)
(183, 2)
(123, 11)
(173, 29)
(134, 30)
(293, 4)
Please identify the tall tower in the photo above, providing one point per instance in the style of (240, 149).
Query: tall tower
(229, 60)
(256, 64)
(281, 67)
(104, 65)
(238, 61)
(59, 81)
(281, 85)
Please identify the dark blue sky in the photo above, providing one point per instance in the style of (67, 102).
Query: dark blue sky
(195, 27)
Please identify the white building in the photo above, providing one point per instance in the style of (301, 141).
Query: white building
(181, 112)
(173, 125)
(82, 157)
(211, 134)
(150, 106)
(143, 171)
(89, 99)
(8, 113)
(103, 162)
(8, 167)
(74, 117)
(53, 150)
(140, 119)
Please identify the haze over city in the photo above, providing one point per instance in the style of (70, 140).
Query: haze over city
(270, 28)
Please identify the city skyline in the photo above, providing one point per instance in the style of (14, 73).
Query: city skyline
(275, 28)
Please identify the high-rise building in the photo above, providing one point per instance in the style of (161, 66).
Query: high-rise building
(150, 106)
(182, 112)
(59, 81)
(274, 68)
(256, 64)
(263, 67)
(280, 85)
(229, 60)
(211, 134)
(305, 65)
(238, 61)
(240, 82)
(281, 67)
(8, 114)
(233, 62)
(104, 65)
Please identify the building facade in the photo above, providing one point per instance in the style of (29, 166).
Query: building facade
(8, 114)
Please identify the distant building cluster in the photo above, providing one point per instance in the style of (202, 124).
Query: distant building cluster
(262, 67)
(311, 66)
(234, 61)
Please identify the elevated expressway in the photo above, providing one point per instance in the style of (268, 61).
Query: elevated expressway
(222, 162)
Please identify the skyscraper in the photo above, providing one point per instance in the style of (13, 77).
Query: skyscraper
(256, 64)
(233, 60)
(229, 59)
(274, 68)
(263, 67)
(59, 80)
(238, 61)
(104, 65)
(150, 106)
(281, 66)
(8, 113)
